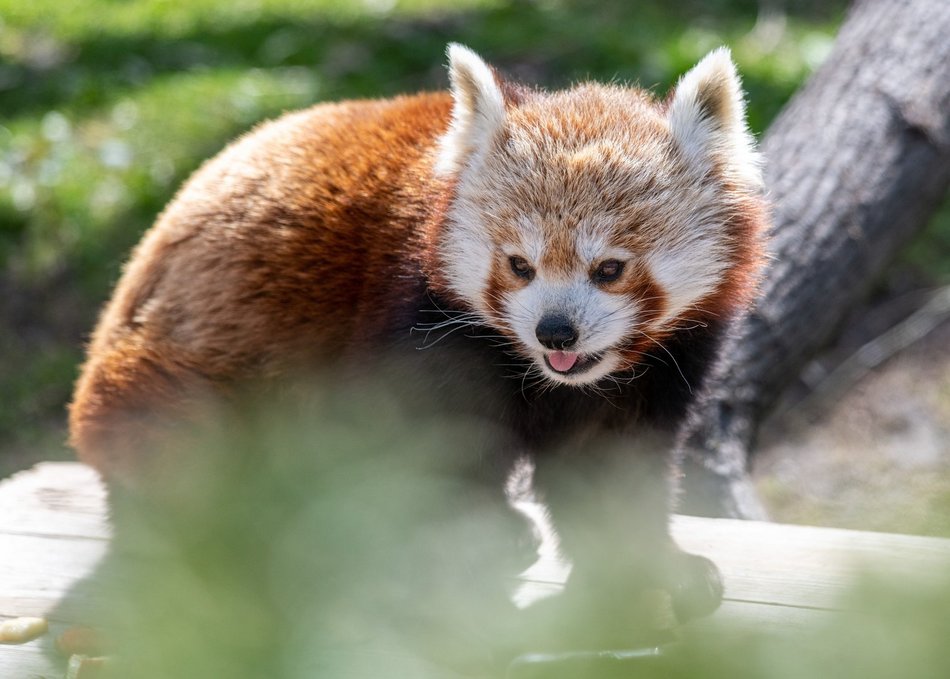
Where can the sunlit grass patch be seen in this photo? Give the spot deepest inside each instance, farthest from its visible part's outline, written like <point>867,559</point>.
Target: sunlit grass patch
<point>168,18</point>
<point>81,184</point>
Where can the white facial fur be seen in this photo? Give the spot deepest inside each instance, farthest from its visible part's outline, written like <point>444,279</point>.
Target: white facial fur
<point>607,171</point>
<point>602,321</point>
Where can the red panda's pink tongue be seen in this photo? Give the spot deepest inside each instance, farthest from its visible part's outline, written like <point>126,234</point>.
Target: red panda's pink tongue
<point>562,361</point>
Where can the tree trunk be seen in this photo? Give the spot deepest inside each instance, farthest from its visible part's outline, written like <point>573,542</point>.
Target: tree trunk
<point>857,163</point>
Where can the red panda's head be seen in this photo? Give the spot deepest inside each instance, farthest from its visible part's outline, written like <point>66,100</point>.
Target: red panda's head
<point>588,224</point>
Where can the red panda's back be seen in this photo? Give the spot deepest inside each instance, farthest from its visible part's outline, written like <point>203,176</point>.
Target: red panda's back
<point>291,243</point>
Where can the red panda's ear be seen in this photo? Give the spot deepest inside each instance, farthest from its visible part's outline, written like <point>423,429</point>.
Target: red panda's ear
<point>707,118</point>
<point>478,111</point>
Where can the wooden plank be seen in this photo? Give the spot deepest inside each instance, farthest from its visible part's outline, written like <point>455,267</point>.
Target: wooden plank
<point>54,530</point>
<point>35,660</point>
<point>782,565</point>
<point>750,617</point>
<point>54,498</point>
<point>37,571</point>
<point>804,566</point>
<point>764,563</point>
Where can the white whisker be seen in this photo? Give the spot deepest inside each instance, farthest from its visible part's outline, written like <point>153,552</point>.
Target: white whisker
<point>672,358</point>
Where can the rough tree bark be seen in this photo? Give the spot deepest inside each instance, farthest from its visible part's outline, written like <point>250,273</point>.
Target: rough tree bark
<point>856,164</point>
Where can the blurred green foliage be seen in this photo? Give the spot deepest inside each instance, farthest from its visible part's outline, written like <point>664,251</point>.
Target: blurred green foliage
<point>332,537</point>
<point>106,106</point>
<point>331,533</point>
<point>890,627</point>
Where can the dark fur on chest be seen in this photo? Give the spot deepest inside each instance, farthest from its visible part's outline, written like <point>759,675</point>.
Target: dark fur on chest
<point>463,371</point>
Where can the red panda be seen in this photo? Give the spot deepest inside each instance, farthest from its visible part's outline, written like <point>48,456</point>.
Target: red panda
<point>594,242</point>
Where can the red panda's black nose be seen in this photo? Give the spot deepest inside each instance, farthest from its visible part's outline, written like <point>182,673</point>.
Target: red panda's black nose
<point>556,332</point>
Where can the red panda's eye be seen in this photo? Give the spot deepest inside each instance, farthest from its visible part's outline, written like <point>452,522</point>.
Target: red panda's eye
<point>521,268</point>
<point>608,271</point>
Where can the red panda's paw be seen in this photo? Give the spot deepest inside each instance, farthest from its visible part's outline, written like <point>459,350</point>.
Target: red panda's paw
<point>695,586</point>
<point>595,621</point>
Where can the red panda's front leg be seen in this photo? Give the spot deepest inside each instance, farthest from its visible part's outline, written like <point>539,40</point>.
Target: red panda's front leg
<point>630,584</point>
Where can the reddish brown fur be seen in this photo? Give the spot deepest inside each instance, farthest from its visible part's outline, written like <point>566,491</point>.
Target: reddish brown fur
<point>288,246</point>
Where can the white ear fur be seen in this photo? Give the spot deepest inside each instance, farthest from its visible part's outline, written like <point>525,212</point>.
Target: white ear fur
<point>707,118</point>
<point>478,112</point>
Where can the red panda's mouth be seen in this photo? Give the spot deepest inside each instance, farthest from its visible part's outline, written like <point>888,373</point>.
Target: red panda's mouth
<point>571,363</point>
